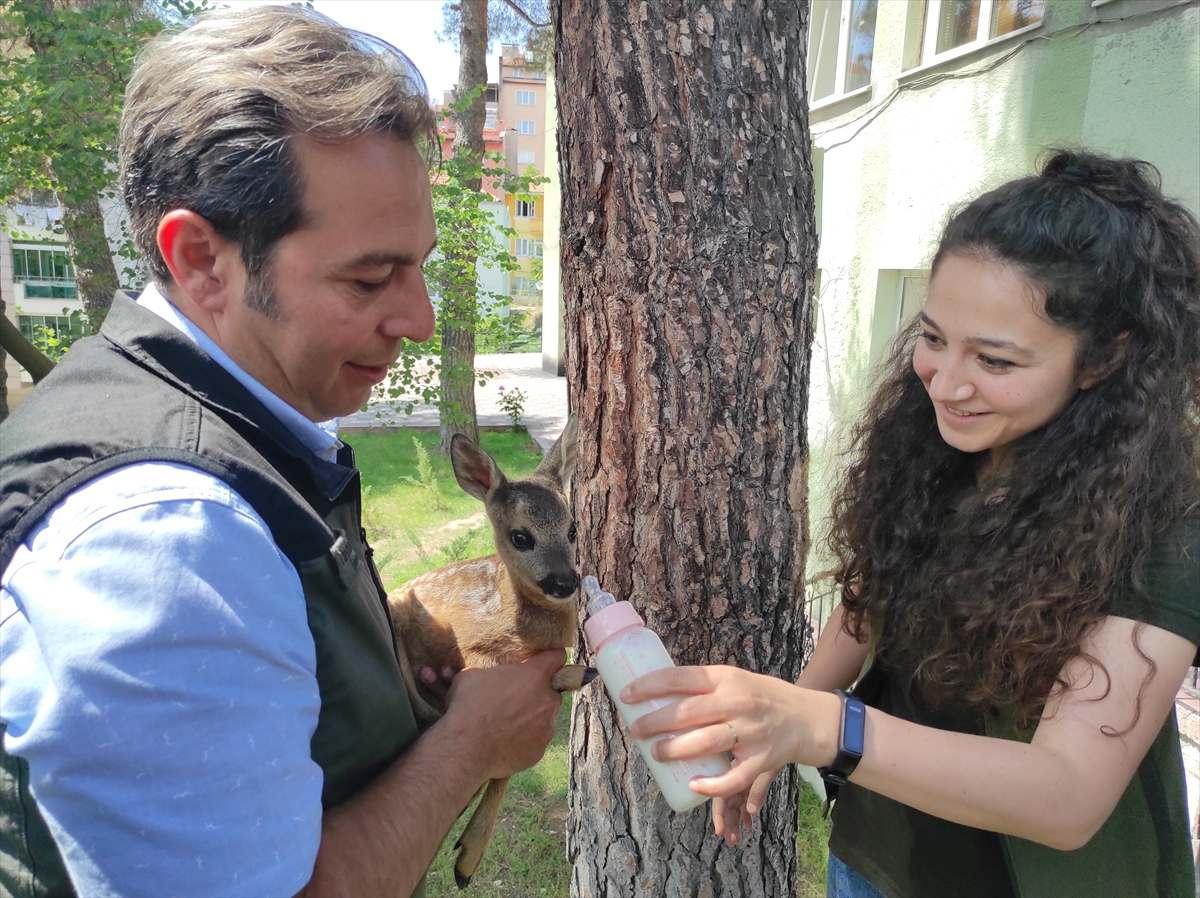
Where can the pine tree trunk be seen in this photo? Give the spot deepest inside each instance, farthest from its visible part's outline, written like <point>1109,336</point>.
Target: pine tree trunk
<point>459,304</point>
<point>688,254</point>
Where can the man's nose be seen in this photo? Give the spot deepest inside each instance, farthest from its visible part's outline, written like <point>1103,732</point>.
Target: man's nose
<point>412,314</point>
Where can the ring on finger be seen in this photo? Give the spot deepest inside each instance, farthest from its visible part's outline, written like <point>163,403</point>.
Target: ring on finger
<point>735,735</point>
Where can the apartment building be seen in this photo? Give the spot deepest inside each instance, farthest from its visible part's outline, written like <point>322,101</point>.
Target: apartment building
<point>521,100</point>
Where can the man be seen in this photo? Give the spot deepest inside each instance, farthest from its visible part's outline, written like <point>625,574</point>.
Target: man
<point>198,687</point>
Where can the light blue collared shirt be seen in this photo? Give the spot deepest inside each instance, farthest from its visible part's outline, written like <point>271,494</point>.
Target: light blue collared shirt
<point>158,674</point>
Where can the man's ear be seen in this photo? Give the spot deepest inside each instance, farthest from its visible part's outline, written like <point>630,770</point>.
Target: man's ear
<point>1116,359</point>
<point>203,263</point>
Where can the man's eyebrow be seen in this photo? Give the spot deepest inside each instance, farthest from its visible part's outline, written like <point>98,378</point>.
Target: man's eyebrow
<point>374,259</point>
<point>990,342</point>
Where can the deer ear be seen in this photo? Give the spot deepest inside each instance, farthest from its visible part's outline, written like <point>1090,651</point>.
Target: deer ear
<point>559,462</point>
<point>475,470</point>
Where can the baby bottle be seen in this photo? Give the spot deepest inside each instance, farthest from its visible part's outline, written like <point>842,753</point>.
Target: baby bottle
<point>624,650</point>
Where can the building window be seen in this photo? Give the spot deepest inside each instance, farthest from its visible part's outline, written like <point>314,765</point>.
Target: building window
<point>526,157</point>
<point>529,248</point>
<point>899,295</point>
<point>61,326</point>
<point>526,208</point>
<point>522,284</point>
<point>841,43</point>
<point>526,98</point>
<point>489,118</point>
<point>45,272</point>
<point>948,28</point>
<point>524,126</point>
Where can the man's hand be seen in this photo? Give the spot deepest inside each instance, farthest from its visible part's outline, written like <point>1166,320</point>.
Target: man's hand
<point>499,721</point>
<point>433,687</point>
<point>506,713</point>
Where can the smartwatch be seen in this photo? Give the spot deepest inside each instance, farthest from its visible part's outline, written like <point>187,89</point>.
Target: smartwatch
<point>850,740</point>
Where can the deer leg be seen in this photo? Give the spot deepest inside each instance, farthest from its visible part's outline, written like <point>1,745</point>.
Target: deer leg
<point>572,677</point>
<point>475,838</point>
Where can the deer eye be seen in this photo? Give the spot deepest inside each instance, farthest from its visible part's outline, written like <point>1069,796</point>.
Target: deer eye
<point>571,534</point>
<point>521,540</point>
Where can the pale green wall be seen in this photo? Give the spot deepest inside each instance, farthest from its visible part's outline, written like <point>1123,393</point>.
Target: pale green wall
<point>554,336</point>
<point>892,166</point>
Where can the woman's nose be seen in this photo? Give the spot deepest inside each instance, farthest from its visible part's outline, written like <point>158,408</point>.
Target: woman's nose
<point>950,383</point>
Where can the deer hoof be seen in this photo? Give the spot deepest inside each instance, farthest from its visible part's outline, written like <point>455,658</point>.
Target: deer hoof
<point>460,880</point>
<point>589,674</point>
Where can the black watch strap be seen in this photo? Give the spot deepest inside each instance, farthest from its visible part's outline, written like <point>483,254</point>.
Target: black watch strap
<point>850,740</point>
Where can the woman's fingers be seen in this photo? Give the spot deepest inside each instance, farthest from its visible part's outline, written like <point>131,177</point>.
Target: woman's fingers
<point>729,819</point>
<point>758,792</point>
<point>672,681</point>
<point>738,779</point>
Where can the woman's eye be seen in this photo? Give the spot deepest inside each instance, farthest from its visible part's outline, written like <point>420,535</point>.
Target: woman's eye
<point>994,364</point>
<point>931,339</point>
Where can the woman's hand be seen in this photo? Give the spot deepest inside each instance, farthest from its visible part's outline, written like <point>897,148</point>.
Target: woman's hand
<point>735,813</point>
<point>766,723</point>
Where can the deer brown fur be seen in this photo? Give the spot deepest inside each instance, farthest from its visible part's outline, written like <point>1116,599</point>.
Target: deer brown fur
<point>499,609</point>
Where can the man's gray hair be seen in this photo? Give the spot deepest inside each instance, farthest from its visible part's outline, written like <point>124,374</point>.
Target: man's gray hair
<point>211,110</point>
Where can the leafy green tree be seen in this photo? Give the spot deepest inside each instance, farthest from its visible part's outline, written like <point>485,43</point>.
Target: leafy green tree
<point>468,238</point>
<point>63,70</point>
<point>473,25</point>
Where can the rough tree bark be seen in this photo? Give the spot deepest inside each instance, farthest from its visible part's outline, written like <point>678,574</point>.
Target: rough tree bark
<point>458,311</point>
<point>687,265</point>
<point>95,273</point>
<point>28,356</point>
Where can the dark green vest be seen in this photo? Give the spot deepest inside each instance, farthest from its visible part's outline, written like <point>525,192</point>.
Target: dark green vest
<point>142,391</point>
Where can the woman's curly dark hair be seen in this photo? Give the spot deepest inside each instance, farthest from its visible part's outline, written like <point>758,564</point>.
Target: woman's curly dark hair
<point>985,601</point>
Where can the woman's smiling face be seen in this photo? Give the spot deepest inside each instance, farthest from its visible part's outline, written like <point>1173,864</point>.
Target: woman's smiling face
<point>995,367</point>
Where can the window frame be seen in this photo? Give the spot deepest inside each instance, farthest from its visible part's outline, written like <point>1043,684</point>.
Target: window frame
<point>41,278</point>
<point>57,324</point>
<point>531,160</point>
<point>529,205</point>
<point>518,126</point>
<point>529,95</point>
<point>839,92</point>
<point>928,55</point>
<point>528,248</point>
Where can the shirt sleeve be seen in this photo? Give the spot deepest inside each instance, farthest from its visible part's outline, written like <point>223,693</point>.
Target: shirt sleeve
<point>1173,585</point>
<point>158,675</point>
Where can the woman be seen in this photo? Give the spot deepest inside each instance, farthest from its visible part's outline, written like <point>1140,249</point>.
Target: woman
<point>1018,551</point>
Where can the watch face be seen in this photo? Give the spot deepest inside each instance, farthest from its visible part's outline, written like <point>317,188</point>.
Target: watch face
<point>854,728</point>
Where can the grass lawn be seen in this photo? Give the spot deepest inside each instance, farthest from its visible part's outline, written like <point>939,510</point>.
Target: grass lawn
<point>418,520</point>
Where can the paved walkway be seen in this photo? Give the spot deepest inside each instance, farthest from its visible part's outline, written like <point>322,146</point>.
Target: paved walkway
<point>545,402</point>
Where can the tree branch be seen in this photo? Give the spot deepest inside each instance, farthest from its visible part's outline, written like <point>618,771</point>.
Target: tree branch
<point>25,353</point>
<point>515,7</point>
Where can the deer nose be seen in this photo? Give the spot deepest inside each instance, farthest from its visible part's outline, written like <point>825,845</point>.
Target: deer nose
<point>560,585</point>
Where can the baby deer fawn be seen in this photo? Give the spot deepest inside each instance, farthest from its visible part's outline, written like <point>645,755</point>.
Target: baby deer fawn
<point>501,608</point>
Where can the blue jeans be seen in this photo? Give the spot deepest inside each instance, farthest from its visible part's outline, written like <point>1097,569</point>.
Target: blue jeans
<point>844,882</point>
